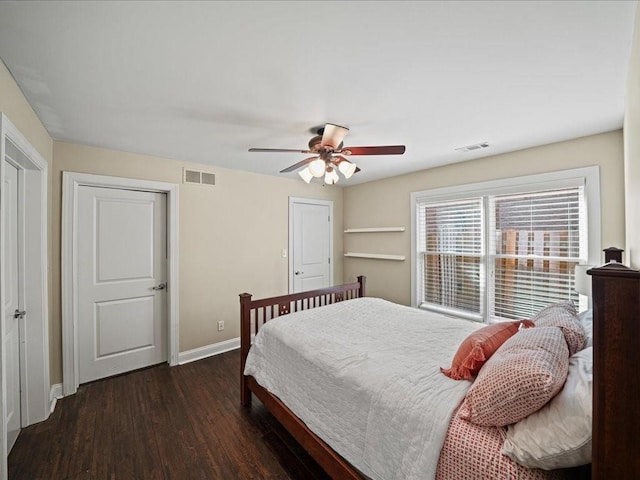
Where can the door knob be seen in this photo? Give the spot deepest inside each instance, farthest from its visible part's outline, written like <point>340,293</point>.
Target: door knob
<point>19,314</point>
<point>160,286</point>
<point>298,272</point>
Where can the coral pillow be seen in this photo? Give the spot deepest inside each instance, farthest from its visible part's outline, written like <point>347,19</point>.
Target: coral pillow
<point>523,375</point>
<point>564,316</point>
<point>479,346</point>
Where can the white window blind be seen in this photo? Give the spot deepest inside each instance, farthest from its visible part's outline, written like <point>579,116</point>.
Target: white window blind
<point>451,249</point>
<point>500,255</point>
<point>536,241</point>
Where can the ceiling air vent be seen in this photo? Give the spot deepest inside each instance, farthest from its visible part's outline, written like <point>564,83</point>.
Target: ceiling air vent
<point>196,176</point>
<point>471,148</point>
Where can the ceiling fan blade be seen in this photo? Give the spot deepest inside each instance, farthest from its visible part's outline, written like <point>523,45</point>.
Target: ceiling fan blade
<point>384,150</point>
<point>333,135</point>
<point>296,166</point>
<point>278,150</point>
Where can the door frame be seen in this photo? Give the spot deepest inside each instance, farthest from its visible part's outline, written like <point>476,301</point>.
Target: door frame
<point>33,179</point>
<point>71,182</point>
<point>309,201</point>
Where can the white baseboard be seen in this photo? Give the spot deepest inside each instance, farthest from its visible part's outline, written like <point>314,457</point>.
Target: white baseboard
<point>208,351</point>
<point>54,394</point>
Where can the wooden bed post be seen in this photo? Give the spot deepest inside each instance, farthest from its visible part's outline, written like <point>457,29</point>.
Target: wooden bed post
<point>245,344</point>
<point>362,280</point>
<point>616,388</point>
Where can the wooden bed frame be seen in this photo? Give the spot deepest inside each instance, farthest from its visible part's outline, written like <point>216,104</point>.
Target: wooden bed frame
<point>616,421</point>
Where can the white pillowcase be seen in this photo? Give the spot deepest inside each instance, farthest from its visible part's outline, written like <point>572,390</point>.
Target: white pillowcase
<point>586,319</point>
<point>559,434</point>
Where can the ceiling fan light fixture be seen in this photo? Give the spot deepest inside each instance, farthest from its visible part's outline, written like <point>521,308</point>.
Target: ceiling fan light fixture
<point>317,168</point>
<point>327,148</point>
<point>306,175</point>
<point>331,177</point>
<point>347,168</point>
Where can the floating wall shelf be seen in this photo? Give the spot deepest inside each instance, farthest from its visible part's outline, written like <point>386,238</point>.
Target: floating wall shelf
<point>377,256</point>
<point>374,230</point>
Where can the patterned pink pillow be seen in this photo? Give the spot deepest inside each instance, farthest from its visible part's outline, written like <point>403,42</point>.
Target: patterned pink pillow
<point>523,375</point>
<point>563,315</point>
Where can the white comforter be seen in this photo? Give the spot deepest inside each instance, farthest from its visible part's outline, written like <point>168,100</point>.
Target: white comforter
<point>364,375</point>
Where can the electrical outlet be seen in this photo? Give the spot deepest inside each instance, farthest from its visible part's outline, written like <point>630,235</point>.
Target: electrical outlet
<point>220,325</point>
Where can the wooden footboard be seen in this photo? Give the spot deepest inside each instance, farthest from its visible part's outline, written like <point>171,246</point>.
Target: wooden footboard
<point>255,313</point>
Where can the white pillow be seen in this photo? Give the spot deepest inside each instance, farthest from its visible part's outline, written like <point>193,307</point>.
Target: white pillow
<point>559,434</point>
<point>586,319</point>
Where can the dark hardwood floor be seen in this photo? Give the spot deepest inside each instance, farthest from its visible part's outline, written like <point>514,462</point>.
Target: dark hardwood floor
<point>180,423</point>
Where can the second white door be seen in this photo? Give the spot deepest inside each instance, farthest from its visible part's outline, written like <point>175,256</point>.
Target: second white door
<point>311,245</point>
<point>13,304</point>
<point>122,264</point>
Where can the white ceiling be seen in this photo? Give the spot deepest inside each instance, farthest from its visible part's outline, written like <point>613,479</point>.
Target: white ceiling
<point>205,81</point>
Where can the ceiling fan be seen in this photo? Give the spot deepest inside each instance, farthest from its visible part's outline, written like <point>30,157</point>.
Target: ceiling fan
<point>329,153</point>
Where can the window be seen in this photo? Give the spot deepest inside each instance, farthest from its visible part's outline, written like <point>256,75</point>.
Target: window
<point>451,237</point>
<point>504,250</point>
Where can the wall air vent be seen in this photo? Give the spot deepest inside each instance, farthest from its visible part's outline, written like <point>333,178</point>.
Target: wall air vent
<point>471,148</point>
<point>208,178</point>
<point>198,177</point>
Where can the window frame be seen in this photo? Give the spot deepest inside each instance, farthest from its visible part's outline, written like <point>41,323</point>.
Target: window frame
<point>589,177</point>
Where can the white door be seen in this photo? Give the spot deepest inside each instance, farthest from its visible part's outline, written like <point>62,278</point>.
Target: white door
<point>12,304</point>
<point>122,311</point>
<point>311,247</point>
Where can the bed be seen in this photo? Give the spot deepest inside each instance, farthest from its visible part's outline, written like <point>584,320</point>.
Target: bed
<point>466,450</point>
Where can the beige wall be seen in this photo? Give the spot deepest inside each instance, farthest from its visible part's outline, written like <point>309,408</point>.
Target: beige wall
<point>387,203</point>
<point>15,106</point>
<point>632,151</point>
<point>231,237</point>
